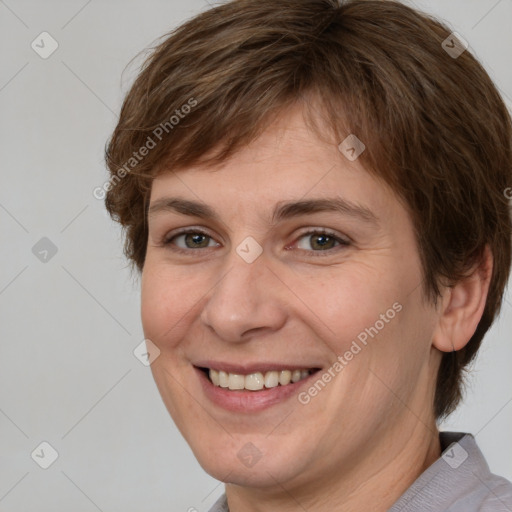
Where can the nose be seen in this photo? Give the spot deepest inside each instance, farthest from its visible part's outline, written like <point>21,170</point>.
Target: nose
<point>247,300</point>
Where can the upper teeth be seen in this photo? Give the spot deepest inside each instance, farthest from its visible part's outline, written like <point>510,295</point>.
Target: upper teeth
<point>256,381</point>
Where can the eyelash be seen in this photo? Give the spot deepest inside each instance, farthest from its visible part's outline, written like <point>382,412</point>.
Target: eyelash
<point>341,242</point>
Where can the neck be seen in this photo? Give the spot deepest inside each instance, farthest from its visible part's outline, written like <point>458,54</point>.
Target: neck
<point>375,484</point>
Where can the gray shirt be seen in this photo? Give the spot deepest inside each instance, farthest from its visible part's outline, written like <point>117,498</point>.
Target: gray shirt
<point>459,481</point>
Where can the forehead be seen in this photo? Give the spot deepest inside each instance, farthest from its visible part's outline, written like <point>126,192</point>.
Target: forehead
<point>287,162</point>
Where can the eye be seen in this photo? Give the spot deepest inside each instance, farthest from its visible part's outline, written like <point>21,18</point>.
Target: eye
<point>313,241</point>
<point>193,239</point>
<point>320,240</point>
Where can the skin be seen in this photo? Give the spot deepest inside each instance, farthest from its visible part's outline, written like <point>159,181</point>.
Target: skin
<point>361,441</point>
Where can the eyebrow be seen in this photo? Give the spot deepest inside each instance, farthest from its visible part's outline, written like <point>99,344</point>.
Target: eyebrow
<point>283,210</point>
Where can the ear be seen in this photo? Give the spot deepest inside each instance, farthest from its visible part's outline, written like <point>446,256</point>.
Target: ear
<point>462,307</point>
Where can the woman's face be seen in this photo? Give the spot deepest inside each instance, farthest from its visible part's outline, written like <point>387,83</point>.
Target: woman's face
<point>250,291</point>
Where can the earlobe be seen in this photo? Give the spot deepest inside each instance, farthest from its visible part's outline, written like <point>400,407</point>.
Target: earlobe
<point>462,307</point>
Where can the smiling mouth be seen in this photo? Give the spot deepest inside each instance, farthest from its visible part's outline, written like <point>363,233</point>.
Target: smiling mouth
<point>256,381</point>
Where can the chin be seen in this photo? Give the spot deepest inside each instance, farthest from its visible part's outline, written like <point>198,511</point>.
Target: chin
<point>246,466</point>
<point>258,476</point>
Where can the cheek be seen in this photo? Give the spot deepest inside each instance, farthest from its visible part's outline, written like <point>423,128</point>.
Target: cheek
<point>350,303</point>
<point>167,302</point>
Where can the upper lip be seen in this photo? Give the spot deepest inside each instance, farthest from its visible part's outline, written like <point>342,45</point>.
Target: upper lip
<point>248,368</point>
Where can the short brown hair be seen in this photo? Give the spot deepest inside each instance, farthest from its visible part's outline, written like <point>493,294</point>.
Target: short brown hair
<point>435,127</point>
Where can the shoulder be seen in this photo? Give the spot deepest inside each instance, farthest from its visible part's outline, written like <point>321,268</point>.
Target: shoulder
<point>459,481</point>
<point>496,495</point>
<point>479,489</point>
<point>488,492</point>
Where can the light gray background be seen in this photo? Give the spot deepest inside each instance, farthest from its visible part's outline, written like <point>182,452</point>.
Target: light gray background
<point>69,326</point>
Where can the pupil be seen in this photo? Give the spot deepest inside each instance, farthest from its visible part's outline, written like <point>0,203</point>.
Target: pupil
<point>196,239</point>
<point>322,240</point>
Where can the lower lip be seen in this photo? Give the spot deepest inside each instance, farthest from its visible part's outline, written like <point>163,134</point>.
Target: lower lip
<point>246,400</point>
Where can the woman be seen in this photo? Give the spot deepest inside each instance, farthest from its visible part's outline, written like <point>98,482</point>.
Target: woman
<point>315,196</point>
